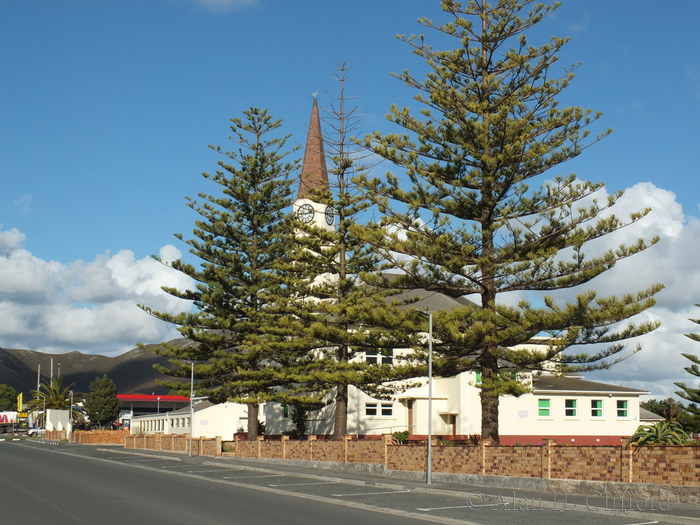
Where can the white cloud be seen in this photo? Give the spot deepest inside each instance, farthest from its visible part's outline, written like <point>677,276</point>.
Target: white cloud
<point>87,306</point>
<point>671,262</point>
<point>91,306</point>
<point>11,240</point>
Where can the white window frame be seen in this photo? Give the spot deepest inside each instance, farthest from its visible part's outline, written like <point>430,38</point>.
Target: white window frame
<point>375,409</point>
<point>375,357</point>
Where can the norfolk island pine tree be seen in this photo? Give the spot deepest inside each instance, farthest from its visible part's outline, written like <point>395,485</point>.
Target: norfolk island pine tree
<point>338,315</point>
<point>463,219</point>
<point>687,391</point>
<point>242,238</point>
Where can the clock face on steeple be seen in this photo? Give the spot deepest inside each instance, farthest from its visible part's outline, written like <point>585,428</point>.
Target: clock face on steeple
<point>330,215</point>
<point>305,213</point>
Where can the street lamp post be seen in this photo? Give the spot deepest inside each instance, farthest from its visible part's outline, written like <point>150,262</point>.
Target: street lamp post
<point>191,404</point>
<point>429,459</point>
<point>70,419</point>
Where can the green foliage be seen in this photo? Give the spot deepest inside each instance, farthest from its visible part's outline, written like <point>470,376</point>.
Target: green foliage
<point>674,411</point>
<point>662,433</point>
<point>401,436</point>
<point>101,404</point>
<point>465,219</point>
<point>242,240</point>
<point>332,311</point>
<point>52,395</point>
<point>8,398</point>
<point>299,414</point>
<point>689,392</point>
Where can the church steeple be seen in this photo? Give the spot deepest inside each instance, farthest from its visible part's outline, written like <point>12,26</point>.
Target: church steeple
<point>314,174</point>
<point>313,182</point>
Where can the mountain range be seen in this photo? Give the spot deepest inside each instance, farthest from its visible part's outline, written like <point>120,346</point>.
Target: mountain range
<point>132,372</point>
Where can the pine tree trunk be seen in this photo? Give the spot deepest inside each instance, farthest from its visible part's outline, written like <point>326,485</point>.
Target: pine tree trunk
<point>340,427</point>
<point>253,411</point>
<point>489,406</point>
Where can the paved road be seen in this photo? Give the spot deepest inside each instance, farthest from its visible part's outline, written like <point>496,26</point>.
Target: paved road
<point>60,484</point>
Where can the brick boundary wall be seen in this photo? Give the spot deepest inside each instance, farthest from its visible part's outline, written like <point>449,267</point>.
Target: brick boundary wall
<point>663,465</point>
<point>99,437</point>
<point>174,443</point>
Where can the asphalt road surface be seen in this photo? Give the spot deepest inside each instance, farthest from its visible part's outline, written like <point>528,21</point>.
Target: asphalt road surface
<point>48,483</point>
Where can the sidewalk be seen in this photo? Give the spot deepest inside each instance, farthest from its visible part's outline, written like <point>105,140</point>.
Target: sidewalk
<point>594,500</point>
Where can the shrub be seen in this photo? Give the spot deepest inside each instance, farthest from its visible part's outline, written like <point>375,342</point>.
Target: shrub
<point>401,436</point>
<point>662,433</point>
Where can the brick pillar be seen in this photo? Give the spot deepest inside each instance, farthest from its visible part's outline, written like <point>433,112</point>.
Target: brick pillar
<point>346,440</point>
<point>285,439</point>
<point>387,439</point>
<point>483,445</point>
<point>630,459</point>
<point>547,445</point>
<point>312,439</point>
<point>260,440</point>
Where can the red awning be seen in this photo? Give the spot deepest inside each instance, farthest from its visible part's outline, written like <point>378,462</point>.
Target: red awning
<point>153,398</point>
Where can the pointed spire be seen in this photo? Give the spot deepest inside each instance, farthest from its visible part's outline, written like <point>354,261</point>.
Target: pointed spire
<point>314,174</point>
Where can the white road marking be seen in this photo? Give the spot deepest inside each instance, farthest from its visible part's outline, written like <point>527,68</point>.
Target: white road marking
<point>371,493</point>
<point>307,483</point>
<point>255,477</point>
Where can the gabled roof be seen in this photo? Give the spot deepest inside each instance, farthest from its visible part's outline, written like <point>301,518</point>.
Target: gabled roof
<point>547,383</point>
<point>648,415</point>
<point>429,301</point>
<point>314,173</point>
<point>197,407</point>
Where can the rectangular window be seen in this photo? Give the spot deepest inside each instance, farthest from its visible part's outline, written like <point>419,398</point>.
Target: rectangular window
<point>285,411</point>
<point>543,407</point>
<point>383,357</point>
<point>596,408</point>
<point>383,409</point>
<point>478,378</point>
<point>622,409</point>
<point>570,407</point>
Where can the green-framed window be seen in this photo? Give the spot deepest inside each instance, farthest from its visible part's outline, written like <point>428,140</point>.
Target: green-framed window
<point>543,407</point>
<point>622,408</point>
<point>570,407</point>
<point>596,408</point>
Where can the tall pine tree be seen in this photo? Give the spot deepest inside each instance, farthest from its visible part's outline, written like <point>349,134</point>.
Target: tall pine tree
<point>242,239</point>
<point>340,317</point>
<point>688,392</point>
<point>102,405</point>
<point>464,219</point>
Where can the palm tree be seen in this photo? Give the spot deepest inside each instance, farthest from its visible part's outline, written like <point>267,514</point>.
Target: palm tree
<point>53,396</point>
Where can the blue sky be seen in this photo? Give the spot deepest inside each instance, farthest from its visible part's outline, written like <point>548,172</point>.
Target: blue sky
<point>107,109</point>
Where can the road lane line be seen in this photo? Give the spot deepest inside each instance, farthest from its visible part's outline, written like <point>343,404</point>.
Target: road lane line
<point>256,477</point>
<point>307,483</point>
<point>371,493</point>
<point>429,509</point>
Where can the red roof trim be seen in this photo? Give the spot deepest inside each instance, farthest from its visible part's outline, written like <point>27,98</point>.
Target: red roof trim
<point>143,397</point>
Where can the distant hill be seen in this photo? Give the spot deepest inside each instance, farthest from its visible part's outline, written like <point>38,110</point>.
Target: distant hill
<point>132,371</point>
